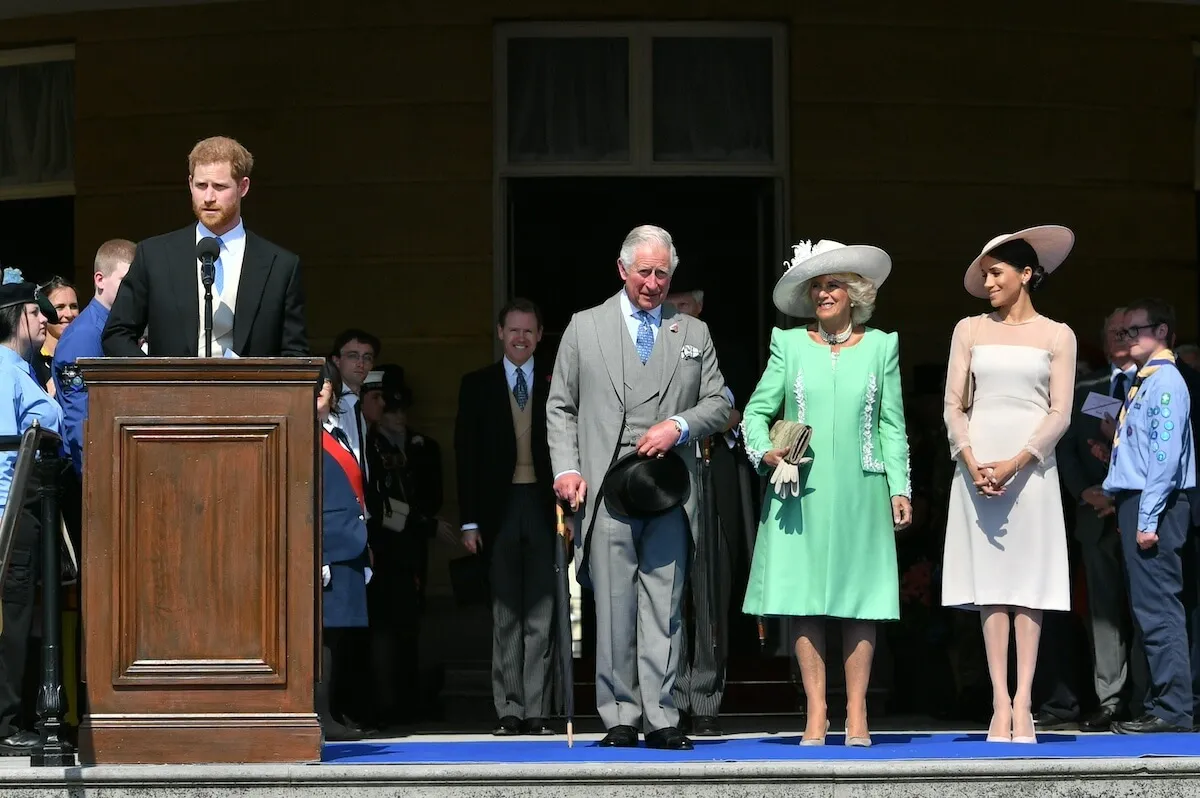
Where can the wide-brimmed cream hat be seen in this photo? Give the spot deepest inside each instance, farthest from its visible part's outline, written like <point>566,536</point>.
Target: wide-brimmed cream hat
<point>826,257</point>
<point>1051,242</point>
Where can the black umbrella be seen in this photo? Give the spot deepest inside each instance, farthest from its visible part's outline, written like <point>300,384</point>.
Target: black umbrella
<point>710,545</point>
<point>562,601</point>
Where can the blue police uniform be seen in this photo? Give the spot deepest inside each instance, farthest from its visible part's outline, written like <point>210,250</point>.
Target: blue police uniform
<point>80,339</point>
<point>1153,466</point>
<point>23,401</point>
<point>343,549</point>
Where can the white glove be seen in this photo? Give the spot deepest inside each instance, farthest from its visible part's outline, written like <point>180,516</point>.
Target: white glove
<point>368,573</point>
<point>786,480</point>
<point>326,576</point>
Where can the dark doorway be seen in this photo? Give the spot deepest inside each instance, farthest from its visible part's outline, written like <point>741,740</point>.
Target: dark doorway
<point>37,236</point>
<point>565,235</point>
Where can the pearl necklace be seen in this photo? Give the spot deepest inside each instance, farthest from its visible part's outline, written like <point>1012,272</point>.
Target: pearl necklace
<point>833,339</point>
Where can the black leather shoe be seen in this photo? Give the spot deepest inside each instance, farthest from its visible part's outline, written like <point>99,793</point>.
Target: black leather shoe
<point>339,732</point>
<point>19,743</point>
<point>620,737</point>
<point>1148,724</point>
<point>705,726</point>
<point>1048,721</point>
<point>536,726</point>
<point>1101,720</point>
<point>685,723</point>
<point>670,739</point>
<point>508,726</point>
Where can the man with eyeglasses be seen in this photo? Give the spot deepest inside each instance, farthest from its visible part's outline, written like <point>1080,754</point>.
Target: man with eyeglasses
<point>1153,465</point>
<point>354,353</point>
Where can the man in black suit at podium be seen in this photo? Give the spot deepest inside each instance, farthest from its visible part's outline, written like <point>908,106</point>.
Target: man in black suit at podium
<point>257,300</point>
<point>506,504</point>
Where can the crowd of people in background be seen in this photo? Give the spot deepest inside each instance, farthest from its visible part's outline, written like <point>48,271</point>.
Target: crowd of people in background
<point>1044,484</point>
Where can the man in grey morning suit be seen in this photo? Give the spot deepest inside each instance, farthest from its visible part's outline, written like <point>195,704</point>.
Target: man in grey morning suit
<point>635,359</point>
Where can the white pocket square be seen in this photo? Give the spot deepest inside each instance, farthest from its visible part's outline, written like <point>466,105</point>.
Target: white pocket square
<point>689,352</point>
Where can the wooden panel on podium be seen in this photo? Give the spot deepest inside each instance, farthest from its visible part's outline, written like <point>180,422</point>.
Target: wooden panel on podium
<point>200,560</point>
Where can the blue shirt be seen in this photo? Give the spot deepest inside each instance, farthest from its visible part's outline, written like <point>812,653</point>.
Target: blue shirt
<point>1156,454</point>
<point>632,322</point>
<point>80,339</point>
<point>22,401</point>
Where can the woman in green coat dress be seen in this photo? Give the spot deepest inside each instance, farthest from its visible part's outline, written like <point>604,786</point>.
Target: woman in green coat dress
<point>826,543</point>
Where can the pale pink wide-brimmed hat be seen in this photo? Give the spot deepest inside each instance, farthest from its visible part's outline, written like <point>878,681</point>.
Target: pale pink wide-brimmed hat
<point>1051,242</point>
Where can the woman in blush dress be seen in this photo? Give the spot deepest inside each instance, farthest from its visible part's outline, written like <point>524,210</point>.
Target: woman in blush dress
<point>1009,388</point>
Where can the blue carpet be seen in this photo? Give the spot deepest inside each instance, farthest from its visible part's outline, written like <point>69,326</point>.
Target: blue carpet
<point>780,747</point>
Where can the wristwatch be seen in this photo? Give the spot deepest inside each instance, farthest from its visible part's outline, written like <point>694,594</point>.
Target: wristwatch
<point>678,428</point>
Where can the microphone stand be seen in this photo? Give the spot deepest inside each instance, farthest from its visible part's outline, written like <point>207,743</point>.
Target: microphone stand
<point>207,274</point>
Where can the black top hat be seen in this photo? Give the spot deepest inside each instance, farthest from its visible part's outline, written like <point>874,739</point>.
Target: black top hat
<point>16,291</point>
<point>390,379</point>
<point>643,487</point>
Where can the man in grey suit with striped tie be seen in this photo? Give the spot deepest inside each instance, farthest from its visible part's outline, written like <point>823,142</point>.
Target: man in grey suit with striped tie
<point>506,503</point>
<point>633,375</point>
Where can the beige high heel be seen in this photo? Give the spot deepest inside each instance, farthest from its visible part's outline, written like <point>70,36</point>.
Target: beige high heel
<point>995,738</point>
<point>1023,739</point>
<point>816,740</point>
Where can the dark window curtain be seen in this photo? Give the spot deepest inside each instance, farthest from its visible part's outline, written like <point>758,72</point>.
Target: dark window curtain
<point>37,123</point>
<point>568,100</point>
<point>712,99</point>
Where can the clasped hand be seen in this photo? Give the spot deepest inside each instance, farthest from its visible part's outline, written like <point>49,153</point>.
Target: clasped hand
<point>990,479</point>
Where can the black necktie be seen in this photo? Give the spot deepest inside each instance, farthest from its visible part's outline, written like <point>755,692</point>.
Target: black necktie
<point>1120,386</point>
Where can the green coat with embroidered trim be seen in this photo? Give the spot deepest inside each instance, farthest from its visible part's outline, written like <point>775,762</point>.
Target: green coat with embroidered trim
<point>831,551</point>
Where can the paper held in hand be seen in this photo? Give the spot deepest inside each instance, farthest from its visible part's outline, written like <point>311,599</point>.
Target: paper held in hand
<point>1097,405</point>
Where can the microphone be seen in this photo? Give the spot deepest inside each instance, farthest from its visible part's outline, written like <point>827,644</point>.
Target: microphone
<point>208,250</point>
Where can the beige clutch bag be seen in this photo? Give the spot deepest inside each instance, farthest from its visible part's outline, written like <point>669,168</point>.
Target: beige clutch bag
<point>794,437</point>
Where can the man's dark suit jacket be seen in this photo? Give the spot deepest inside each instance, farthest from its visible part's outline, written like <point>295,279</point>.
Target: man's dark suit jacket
<point>485,447</point>
<point>162,288</point>
<point>1079,468</point>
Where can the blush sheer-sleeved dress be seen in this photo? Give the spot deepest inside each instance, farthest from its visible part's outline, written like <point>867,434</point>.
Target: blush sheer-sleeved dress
<point>1020,380</point>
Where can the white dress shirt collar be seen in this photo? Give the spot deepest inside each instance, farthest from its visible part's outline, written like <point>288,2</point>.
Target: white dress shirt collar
<point>510,372</point>
<point>629,310</point>
<point>237,234</point>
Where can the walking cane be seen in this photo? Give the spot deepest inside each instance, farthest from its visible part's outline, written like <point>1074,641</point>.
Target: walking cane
<point>562,595</point>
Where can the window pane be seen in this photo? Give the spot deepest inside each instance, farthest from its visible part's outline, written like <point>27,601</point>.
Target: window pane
<point>713,99</point>
<point>568,100</point>
<point>37,123</point>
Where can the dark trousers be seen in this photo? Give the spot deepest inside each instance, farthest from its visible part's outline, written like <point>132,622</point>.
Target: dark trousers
<point>387,658</point>
<point>1156,587</point>
<point>700,685</point>
<point>331,689</point>
<point>20,590</point>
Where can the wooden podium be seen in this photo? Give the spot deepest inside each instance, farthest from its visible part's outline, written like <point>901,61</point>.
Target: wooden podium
<point>200,560</point>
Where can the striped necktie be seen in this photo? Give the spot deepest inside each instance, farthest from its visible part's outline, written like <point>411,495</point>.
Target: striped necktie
<point>1164,358</point>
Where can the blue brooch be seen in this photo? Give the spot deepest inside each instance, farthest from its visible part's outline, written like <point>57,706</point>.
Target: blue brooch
<point>1162,456</point>
<point>1166,399</point>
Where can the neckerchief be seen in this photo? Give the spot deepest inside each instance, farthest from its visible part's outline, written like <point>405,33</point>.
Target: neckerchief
<point>1164,358</point>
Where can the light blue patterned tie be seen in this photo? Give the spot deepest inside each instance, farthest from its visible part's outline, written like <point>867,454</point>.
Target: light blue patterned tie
<point>645,336</point>
<point>521,389</point>
<point>219,271</point>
